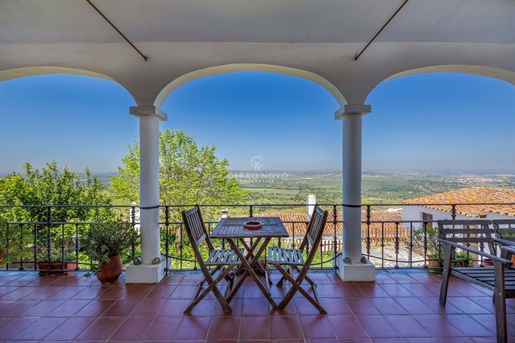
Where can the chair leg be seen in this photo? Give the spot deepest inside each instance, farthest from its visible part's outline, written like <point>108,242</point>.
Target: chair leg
<point>446,273</point>
<point>212,288</point>
<point>296,286</point>
<point>500,303</point>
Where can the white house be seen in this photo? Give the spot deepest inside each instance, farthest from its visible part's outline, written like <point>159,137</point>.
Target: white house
<point>465,203</point>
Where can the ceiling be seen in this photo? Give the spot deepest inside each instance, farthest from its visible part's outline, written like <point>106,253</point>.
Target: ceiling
<point>314,39</point>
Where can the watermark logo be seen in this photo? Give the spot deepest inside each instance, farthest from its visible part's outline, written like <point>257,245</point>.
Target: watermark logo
<point>259,177</point>
<point>256,162</point>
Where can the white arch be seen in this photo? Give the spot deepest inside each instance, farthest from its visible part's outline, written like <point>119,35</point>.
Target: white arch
<point>49,70</point>
<point>497,73</point>
<point>229,68</point>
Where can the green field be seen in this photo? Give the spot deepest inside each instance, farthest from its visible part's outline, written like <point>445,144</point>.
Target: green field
<point>378,188</point>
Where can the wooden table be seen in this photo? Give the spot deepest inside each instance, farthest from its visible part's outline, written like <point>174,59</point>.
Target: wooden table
<point>233,230</point>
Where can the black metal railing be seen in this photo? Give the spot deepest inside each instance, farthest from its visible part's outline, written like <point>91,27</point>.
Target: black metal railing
<point>387,240</point>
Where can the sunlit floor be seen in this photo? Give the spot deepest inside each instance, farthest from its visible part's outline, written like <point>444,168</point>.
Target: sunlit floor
<point>399,307</point>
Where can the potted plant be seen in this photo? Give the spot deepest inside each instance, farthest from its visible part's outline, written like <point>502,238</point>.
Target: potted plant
<point>57,262</point>
<point>106,243</point>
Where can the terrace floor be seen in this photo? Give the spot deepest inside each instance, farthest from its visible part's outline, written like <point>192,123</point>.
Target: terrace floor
<point>402,306</point>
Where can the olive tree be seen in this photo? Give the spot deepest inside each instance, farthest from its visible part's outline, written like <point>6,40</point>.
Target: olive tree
<point>188,175</point>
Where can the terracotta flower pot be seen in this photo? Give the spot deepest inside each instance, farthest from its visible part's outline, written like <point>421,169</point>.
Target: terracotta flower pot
<point>56,268</point>
<point>110,272</point>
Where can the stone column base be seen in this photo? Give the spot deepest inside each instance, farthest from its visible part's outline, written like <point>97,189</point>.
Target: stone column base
<point>144,273</point>
<point>356,271</point>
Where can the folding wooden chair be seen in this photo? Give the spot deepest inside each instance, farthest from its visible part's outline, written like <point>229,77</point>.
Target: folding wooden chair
<point>224,260</point>
<point>466,235</point>
<point>293,261</point>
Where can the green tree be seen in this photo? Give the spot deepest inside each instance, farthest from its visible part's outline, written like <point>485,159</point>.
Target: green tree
<point>51,194</point>
<point>54,187</point>
<point>187,174</point>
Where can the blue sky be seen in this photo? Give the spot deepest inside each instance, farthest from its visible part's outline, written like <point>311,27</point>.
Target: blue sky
<point>438,121</point>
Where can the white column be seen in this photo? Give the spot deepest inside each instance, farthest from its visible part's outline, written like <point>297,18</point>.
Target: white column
<point>351,267</point>
<point>151,269</point>
<point>149,188</point>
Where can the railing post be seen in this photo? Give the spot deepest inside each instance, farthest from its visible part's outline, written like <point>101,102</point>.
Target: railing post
<point>49,239</point>
<point>167,239</point>
<point>335,239</point>
<point>369,243</point>
<point>77,246</point>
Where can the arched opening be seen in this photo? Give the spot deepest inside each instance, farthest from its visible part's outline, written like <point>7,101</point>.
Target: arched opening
<point>440,121</point>
<point>287,120</point>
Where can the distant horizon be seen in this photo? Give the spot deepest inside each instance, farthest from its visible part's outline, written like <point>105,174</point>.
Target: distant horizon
<point>435,171</point>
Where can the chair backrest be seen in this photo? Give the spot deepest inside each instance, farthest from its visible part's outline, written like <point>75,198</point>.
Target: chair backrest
<point>505,229</point>
<point>196,229</point>
<point>468,232</point>
<point>315,232</point>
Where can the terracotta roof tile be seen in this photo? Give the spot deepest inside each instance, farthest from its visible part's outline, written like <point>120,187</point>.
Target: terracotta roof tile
<point>297,222</point>
<point>472,195</point>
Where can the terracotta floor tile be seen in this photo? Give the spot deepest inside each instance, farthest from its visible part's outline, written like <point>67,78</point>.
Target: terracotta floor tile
<point>420,290</point>
<point>347,326</point>
<point>112,292</point>
<point>68,308</point>
<point>372,290</point>
<point>65,292</point>
<point>42,308</point>
<point>224,328</point>
<point>101,329</point>
<point>255,307</point>
<point>90,292</point>
<point>438,325</point>
<point>377,326</point>
<point>349,290</point>
<point>316,327</point>
<point>162,328</point>
<point>132,329</point>
<point>15,308</point>
<point>434,304</point>
<point>255,327</point>
<point>40,329</point>
<point>335,306</point>
<point>21,293</point>
<point>95,308</point>
<point>70,329</point>
<point>396,290</point>
<point>326,291</point>
<point>122,308</point>
<point>362,306</point>
<point>138,291</point>
<point>14,326</point>
<point>285,327</point>
<point>414,305</point>
<point>161,292</point>
<point>173,307</point>
<point>399,307</point>
<point>183,292</point>
<point>148,308</point>
<point>466,305</point>
<point>388,306</point>
<point>407,326</point>
<point>469,326</point>
<point>6,290</point>
<point>193,328</point>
